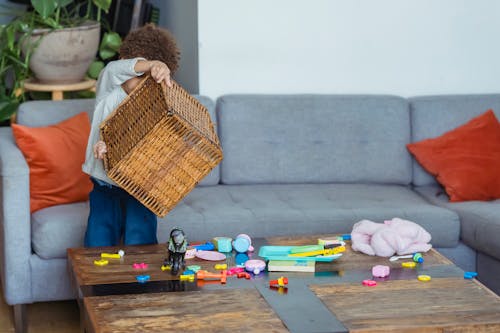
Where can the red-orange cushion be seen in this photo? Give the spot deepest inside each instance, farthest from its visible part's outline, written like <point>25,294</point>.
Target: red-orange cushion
<point>55,155</point>
<point>466,160</point>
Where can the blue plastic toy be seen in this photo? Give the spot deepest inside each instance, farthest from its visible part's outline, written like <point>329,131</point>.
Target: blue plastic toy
<point>142,278</point>
<point>470,275</point>
<point>205,247</point>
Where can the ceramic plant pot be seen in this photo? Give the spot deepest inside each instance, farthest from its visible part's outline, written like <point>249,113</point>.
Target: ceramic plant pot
<point>64,55</point>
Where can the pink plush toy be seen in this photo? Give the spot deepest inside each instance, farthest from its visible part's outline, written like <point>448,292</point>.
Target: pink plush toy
<point>393,236</point>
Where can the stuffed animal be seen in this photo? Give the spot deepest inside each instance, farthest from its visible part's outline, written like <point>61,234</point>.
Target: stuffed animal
<point>396,236</point>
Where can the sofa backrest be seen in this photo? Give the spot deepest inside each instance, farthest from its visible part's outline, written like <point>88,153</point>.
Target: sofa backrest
<point>314,139</point>
<point>44,113</point>
<point>431,116</point>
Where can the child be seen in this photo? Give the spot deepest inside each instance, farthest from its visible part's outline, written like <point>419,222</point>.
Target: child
<point>115,214</point>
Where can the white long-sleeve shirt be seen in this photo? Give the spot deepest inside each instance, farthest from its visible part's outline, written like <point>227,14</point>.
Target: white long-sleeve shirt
<point>109,94</point>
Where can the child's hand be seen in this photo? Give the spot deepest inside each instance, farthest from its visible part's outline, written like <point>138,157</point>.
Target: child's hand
<point>160,72</point>
<point>100,150</point>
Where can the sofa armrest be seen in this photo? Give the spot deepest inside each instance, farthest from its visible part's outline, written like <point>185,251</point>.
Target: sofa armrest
<point>15,226</point>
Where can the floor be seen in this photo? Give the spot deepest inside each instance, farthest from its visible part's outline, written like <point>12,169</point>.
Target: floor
<point>53,317</point>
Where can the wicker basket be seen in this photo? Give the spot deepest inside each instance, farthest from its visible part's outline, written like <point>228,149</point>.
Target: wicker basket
<point>161,143</point>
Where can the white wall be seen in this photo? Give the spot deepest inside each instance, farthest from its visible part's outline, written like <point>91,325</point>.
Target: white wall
<point>402,47</point>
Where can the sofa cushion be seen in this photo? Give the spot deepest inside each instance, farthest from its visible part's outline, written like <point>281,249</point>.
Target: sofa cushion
<point>265,210</point>
<point>314,139</point>
<point>480,221</point>
<point>431,116</point>
<point>55,155</point>
<point>262,210</point>
<point>465,160</point>
<point>213,177</point>
<point>56,228</point>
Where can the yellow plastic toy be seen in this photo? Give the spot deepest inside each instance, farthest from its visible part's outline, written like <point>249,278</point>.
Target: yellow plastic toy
<point>189,278</point>
<point>101,262</point>
<point>166,268</point>
<point>327,252</point>
<point>409,264</point>
<point>220,266</point>
<point>111,255</point>
<point>424,278</point>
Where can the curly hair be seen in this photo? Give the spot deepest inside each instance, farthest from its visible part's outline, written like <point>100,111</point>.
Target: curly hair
<point>152,43</point>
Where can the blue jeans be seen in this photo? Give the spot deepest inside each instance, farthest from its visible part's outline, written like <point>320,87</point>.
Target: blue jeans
<point>115,214</point>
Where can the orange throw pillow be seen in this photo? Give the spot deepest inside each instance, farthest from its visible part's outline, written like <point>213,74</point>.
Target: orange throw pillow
<point>55,155</point>
<point>466,160</point>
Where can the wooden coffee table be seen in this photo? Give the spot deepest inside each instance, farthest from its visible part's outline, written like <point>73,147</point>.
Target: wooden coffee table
<point>330,300</point>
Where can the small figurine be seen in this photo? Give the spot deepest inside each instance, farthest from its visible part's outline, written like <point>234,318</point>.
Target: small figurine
<point>177,246</point>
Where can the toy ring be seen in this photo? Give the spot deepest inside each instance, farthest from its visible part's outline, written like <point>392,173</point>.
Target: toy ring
<point>256,266</point>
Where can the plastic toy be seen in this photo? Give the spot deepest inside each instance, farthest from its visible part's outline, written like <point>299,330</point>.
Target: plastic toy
<point>280,290</point>
<point>204,275</point>
<point>210,255</point>
<point>205,247</point>
<point>470,275</point>
<point>140,265</point>
<point>331,241</point>
<point>346,237</point>
<point>166,268</point>
<point>189,277</point>
<point>240,259</point>
<point>142,278</point>
<point>256,266</point>
<point>394,258</point>
<point>306,248</point>
<point>243,275</point>
<point>121,253</point>
<point>220,266</point>
<point>235,270</point>
<point>194,268</point>
<point>101,262</point>
<point>177,245</point>
<point>323,252</point>
<point>280,282</point>
<point>111,255</point>
<point>243,243</point>
<point>369,283</point>
<point>408,264</point>
<point>275,252</point>
<point>380,271</point>
<point>223,244</point>
<point>424,278</point>
<point>190,253</point>
<point>417,257</point>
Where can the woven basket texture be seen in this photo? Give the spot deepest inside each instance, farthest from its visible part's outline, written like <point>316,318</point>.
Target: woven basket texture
<point>161,142</point>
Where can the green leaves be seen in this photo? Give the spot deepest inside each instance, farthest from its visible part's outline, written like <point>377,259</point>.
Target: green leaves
<point>8,106</point>
<point>63,3</point>
<point>110,44</point>
<point>102,4</point>
<point>45,8</point>
<point>95,68</point>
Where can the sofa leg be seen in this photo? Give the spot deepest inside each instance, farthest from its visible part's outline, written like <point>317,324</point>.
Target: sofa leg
<point>20,320</point>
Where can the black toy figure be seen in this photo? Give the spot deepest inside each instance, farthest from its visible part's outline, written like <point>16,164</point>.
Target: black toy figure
<point>177,245</point>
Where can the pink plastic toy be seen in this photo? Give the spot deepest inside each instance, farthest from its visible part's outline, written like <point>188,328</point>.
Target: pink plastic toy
<point>369,283</point>
<point>381,271</point>
<point>141,265</point>
<point>210,255</point>
<point>235,270</point>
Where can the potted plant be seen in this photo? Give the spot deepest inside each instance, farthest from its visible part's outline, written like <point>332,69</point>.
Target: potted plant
<point>55,41</point>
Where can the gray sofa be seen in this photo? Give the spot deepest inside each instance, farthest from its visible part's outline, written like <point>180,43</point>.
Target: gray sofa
<point>293,164</point>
